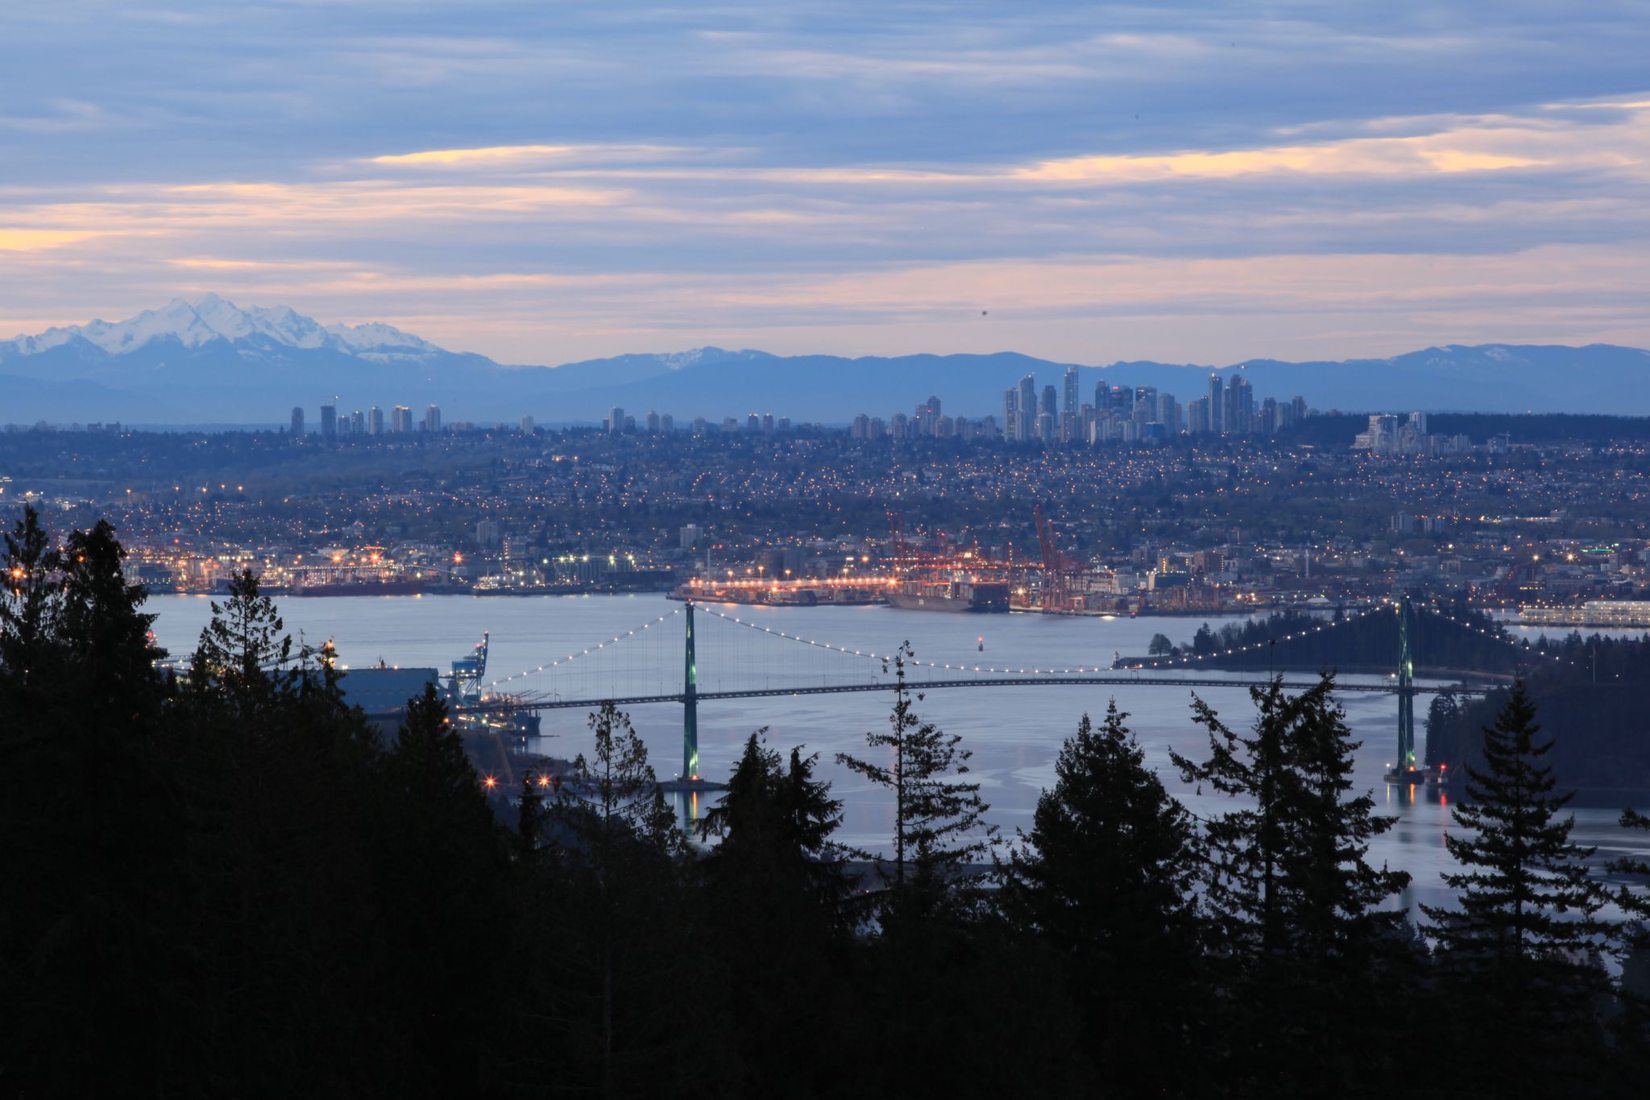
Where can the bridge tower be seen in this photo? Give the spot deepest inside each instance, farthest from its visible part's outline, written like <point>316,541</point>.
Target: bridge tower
<point>690,706</point>
<point>1405,761</point>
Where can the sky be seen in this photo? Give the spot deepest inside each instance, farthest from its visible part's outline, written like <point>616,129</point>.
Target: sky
<point>546,181</point>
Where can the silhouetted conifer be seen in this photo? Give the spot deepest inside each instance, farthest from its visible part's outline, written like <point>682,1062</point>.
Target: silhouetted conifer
<point>88,828</point>
<point>443,877</point>
<point>1106,878</point>
<point>244,651</point>
<point>938,819</point>
<point>1292,901</point>
<point>531,814</point>
<point>32,585</point>
<point>773,888</point>
<point>1520,950</point>
<point>621,916</point>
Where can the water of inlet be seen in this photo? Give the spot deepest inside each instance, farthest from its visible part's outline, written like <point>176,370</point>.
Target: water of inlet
<point>539,644</point>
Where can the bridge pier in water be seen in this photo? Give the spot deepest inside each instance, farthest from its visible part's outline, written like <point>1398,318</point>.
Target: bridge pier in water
<point>1404,769</point>
<point>1406,692</point>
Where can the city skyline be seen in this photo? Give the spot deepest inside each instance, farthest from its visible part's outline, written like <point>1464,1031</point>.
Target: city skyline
<point>1193,184</point>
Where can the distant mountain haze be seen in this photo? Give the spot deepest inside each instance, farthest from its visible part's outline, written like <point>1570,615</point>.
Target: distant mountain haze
<point>212,361</point>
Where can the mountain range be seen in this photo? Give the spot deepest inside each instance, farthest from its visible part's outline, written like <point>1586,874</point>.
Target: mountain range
<point>210,361</point>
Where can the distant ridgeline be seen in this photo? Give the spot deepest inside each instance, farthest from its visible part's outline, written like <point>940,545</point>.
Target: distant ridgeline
<point>1591,705</point>
<point>1359,641</point>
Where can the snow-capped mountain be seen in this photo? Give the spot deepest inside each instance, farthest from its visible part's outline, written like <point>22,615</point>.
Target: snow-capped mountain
<point>213,319</point>
<point>210,360</point>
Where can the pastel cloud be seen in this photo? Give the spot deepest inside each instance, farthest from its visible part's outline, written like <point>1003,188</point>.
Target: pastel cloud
<point>34,240</point>
<point>856,176</point>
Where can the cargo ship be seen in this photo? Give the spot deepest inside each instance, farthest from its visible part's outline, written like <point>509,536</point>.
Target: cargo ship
<point>361,586</point>
<point>976,597</point>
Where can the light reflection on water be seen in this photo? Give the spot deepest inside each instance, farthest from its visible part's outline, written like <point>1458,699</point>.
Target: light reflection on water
<point>1014,733</point>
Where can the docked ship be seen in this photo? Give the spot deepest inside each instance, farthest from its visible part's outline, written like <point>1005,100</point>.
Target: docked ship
<point>957,596</point>
<point>372,576</point>
<point>1618,614</point>
<point>364,586</point>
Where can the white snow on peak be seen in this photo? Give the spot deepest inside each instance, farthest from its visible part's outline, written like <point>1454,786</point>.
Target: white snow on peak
<point>679,360</point>
<point>211,318</point>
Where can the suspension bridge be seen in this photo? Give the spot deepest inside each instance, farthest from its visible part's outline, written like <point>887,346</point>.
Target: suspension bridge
<point>666,661</point>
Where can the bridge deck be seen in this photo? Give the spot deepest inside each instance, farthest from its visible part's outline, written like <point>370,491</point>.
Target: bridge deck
<point>935,685</point>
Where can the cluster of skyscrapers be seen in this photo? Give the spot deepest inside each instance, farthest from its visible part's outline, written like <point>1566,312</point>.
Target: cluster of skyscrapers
<point>370,422</point>
<point>663,423</point>
<point>1117,414</point>
<point>653,423</point>
<point>925,421</point>
<point>1388,436</point>
<point>1131,414</point>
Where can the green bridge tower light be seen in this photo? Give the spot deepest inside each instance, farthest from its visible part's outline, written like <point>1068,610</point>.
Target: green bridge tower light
<point>1406,693</point>
<point>690,706</point>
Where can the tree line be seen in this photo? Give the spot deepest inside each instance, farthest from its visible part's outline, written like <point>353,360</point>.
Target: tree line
<point>1590,693</point>
<point>226,882</point>
<point>1299,639</point>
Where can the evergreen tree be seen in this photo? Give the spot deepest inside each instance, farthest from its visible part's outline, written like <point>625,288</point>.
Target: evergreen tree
<point>1288,874</point>
<point>1632,1022</point>
<point>1292,901</point>
<point>775,823</point>
<point>107,636</point>
<point>88,830</point>
<point>286,809</point>
<point>245,649</point>
<point>773,888</point>
<point>1106,878</point>
<point>32,585</point>
<point>621,914</point>
<point>530,815</point>
<point>441,867</point>
<point>1520,950</point>
<point>612,796</point>
<point>938,821</point>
